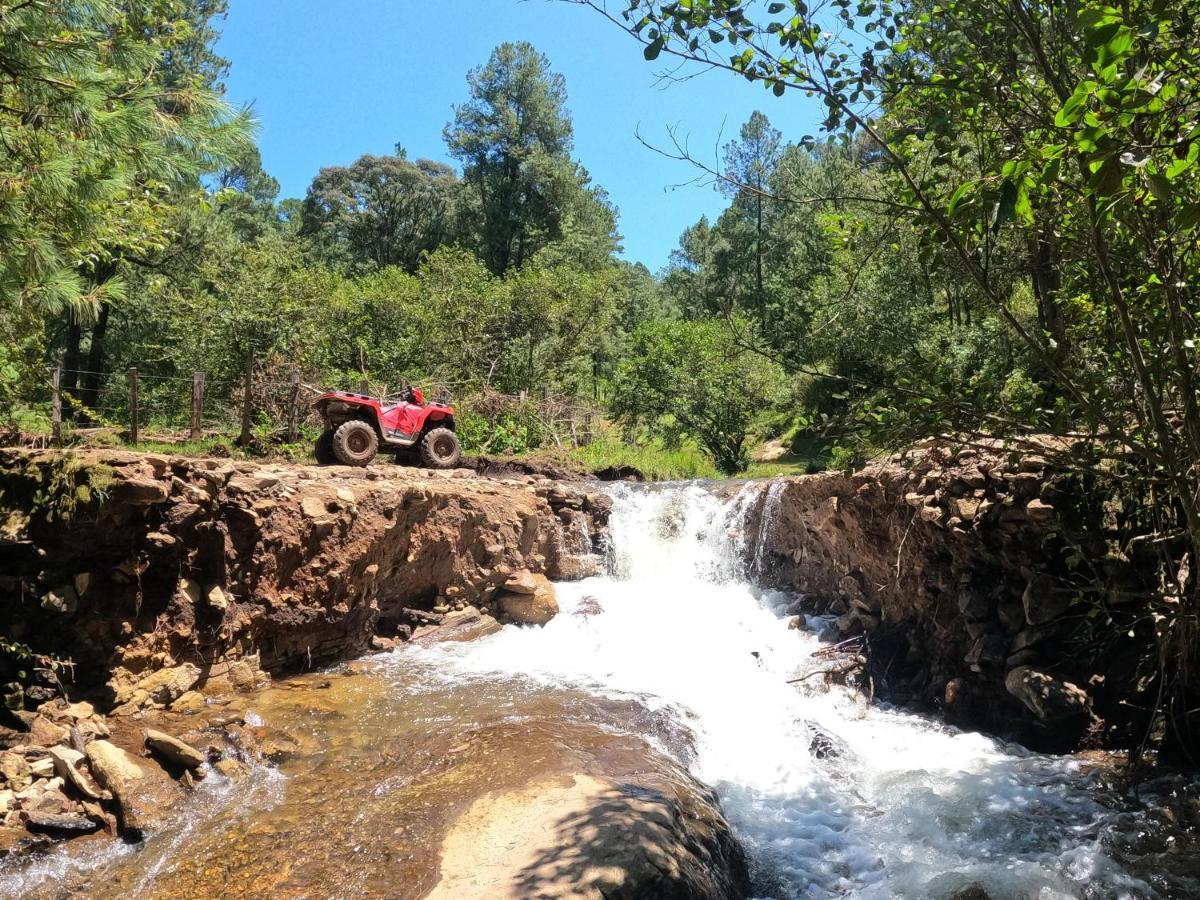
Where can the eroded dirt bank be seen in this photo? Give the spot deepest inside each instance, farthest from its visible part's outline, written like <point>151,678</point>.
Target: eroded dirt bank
<point>981,584</point>
<point>158,576</point>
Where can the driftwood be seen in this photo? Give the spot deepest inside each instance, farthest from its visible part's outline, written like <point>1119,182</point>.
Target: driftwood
<point>845,668</point>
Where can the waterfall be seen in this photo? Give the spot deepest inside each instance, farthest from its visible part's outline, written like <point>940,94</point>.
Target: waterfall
<point>832,797</point>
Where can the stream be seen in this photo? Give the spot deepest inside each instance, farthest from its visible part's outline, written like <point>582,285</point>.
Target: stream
<point>830,795</point>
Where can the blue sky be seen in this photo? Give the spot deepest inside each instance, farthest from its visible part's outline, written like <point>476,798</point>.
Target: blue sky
<point>330,81</point>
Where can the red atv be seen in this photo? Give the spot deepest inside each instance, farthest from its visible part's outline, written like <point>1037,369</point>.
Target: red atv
<point>357,426</point>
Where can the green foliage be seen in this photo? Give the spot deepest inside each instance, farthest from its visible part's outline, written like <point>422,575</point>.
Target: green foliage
<point>690,380</point>
<point>51,489</point>
<point>1032,170</point>
<point>656,460</point>
<point>380,211</point>
<point>512,431</point>
<point>95,145</point>
<point>524,192</point>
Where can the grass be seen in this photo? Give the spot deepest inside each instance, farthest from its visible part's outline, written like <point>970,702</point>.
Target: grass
<point>655,461</point>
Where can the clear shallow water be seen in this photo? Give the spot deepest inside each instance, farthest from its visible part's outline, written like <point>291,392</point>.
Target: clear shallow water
<point>674,649</point>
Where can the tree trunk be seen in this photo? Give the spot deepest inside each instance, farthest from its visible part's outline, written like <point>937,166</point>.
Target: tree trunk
<point>89,394</point>
<point>758,263</point>
<point>1046,281</point>
<point>72,358</point>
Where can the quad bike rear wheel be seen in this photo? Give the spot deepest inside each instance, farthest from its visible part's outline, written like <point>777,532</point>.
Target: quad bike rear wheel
<point>324,449</point>
<point>440,449</point>
<point>355,443</point>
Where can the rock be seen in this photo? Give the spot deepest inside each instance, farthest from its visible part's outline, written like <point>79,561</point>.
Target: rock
<point>1011,614</point>
<point>113,767</point>
<point>162,687</point>
<point>67,712</point>
<point>974,605</point>
<point>139,492</point>
<point>314,507</point>
<point>932,514</point>
<point>522,582</point>
<point>13,695</point>
<point>345,495</point>
<point>1031,637</point>
<point>537,608</point>
<point>66,763</point>
<point>851,590</point>
<point>966,508</point>
<point>988,650</point>
<point>973,891</point>
<point>189,592</point>
<point>44,733</point>
<point>117,771</point>
<point>1043,600</point>
<point>1032,463</point>
<point>971,478</point>
<point>626,840</point>
<point>32,796</point>
<point>589,606</point>
<point>62,600</point>
<point>217,599</point>
<point>467,624</point>
<point>1046,696</point>
<point>230,768</point>
<point>14,771</point>
<point>160,540</point>
<point>977,630</point>
<point>189,703</point>
<point>173,749</point>
<point>1025,657</point>
<point>576,567</point>
<point>41,768</point>
<point>48,823</point>
<point>1039,512</point>
<point>16,840</point>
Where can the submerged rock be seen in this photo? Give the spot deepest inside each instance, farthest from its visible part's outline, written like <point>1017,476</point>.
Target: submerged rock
<point>174,750</point>
<point>536,608</point>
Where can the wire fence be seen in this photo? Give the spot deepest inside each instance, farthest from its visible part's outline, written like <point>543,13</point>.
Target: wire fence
<point>273,405</point>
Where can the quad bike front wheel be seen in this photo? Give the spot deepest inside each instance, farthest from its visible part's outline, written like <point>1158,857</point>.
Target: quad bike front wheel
<point>355,443</point>
<point>440,449</point>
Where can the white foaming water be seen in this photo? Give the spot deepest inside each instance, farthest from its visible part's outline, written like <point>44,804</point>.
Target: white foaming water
<point>906,808</point>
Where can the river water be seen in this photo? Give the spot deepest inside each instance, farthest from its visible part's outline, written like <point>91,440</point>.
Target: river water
<point>676,649</point>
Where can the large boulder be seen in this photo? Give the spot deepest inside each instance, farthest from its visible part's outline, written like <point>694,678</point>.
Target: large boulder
<point>580,837</point>
<point>146,796</point>
<point>529,607</point>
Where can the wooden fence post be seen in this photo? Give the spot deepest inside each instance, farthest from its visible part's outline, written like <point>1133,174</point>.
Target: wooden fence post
<point>364,387</point>
<point>197,431</point>
<point>293,423</point>
<point>133,404</point>
<point>247,402</point>
<point>56,406</point>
